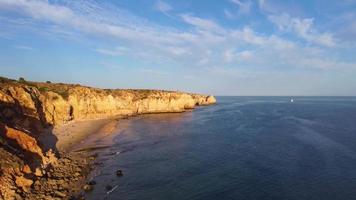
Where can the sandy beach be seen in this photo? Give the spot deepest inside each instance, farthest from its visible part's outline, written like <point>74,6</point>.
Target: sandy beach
<point>69,176</point>
<point>81,134</point>
<point>50,128</point>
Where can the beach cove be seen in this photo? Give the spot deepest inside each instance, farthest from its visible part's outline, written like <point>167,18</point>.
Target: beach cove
<point>42,124</point>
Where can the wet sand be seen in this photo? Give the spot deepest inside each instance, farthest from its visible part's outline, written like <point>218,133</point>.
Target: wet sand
<point>81,134</point>
<point>69,177</point>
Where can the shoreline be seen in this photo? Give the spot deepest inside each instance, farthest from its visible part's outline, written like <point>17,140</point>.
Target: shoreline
<point>92,134</point>
<point>71,176</point>
<point>77,134</point>
<point>42,124</point>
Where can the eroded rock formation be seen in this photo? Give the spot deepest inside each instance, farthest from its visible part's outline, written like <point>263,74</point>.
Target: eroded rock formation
<point>30,110</point>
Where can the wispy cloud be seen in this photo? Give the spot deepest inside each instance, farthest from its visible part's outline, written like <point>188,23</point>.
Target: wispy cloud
<point>153,72</point>
<point>162,6</point>
<point>229,14</point>
<point>232,55</point>
<point>244,6</point>
<point>204,43</point>
<point>200,23</point>
<point>23,47</point>
<point>303,28</point>
<point>118,51</point>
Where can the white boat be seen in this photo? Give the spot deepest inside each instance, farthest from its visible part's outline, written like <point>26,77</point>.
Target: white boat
<point>291,100</point>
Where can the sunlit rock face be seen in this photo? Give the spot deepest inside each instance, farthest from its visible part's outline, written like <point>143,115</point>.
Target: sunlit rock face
<point>53,104</point>
<point>30,110</point>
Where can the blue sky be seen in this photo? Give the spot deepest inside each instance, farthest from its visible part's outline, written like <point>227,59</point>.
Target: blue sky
<point>221,47</point>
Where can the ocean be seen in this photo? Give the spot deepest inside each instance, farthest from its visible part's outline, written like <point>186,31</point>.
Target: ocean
<point>265,148</point>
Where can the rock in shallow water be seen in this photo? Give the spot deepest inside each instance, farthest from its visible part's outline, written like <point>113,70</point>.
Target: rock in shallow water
<point>60,194</point>
<point>88,187</point>
<point>119,173</point>
<point>92,182</point>
<point>108,187</point>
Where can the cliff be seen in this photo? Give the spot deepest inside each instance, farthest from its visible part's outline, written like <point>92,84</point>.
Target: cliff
<point>55,104</point>
<point>30,110</point>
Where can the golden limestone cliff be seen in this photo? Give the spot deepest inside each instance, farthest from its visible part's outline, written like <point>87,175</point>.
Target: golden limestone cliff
<point>50,107</point>
<point>30,110</point>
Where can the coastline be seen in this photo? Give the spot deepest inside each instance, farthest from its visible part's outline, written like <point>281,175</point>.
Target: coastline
<point>77,142</point>
<point>67,177</point>
<point>87,136</point>
<point>78,134</point>
<point>43,125</point>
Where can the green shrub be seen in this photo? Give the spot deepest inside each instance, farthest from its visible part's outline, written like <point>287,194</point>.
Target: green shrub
<point>5,80</point>
<point>2,141</point>
<point>43,89</point>
<point>22,80</point>
<point>63,93</point>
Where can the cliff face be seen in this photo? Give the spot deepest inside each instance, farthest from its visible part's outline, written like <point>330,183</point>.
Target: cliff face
<point>28,109</point>
<point>20,102</point>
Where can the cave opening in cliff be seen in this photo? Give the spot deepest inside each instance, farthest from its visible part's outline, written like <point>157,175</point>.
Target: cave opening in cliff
<point>71,112</point>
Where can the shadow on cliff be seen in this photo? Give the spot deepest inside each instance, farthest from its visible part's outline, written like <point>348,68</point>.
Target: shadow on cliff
<point>23,119</point>
<point>13,147</point>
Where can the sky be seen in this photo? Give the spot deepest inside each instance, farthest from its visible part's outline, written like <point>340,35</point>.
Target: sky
<point>220,47</point>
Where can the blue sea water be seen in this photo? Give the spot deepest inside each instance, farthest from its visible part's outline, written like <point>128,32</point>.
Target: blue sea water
<point>265,148</point>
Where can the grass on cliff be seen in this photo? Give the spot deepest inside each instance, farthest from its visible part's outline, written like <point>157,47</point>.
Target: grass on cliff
<point>6,80</point>
<point>63,89</point>
<point>59,88</point>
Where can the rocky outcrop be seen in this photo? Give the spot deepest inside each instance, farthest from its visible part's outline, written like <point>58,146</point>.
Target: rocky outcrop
<point>23,141</point>
<point>30,110</point>
<point>22,104</point>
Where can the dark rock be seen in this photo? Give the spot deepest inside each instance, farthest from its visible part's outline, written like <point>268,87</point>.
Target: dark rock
<point>88,187</point>
<point>108,187</point>
<point>92,182</point>
<point>78,169</point>
<point>92,157</point>
<point>66,160</point>
<point>119,172</point>
<point>59,194</point>
<point>48,197</point>
<point>80,197</point>
<point>51,182</point>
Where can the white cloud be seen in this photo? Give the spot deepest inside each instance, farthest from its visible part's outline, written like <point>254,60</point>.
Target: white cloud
<point>39,9</point>
<point>230,55</point>
<point>229,14</point>
<point>153,72</point>
<point>120,27</point>
<point>245,55</point>
<point>179,51</point>
<point>303,28</point>
<point>345,28</point>
<point>206,44</point>
<point>23,47</point>
<point>162,6</point>
<point>200,23</point>
<point>118,51</point>
<point>244,5</point>
<point>261,4</point>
